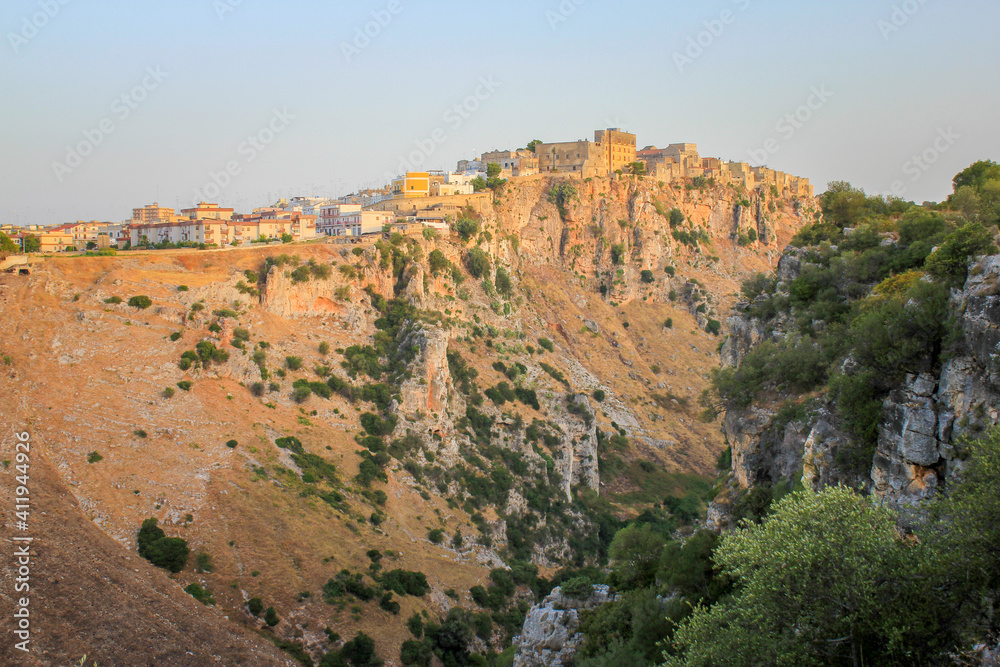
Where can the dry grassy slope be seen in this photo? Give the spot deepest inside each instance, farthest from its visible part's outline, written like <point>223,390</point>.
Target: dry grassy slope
<point>86,375</point>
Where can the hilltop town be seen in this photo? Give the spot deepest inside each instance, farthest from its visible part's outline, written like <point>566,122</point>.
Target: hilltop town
<point>421,199</point>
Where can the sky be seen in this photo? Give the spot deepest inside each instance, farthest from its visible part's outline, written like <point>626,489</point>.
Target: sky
<point>113,104</point>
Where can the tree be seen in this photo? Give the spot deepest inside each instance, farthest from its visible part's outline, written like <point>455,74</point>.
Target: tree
<point>676,217</point>
<point>32,243</point>
<point>503,282</point>
<point>141,302</point>
<point>963,538</point>
<point>635,555</point>
<point>477,262</point>
<point>438,262</point>
<point>950,262</point>
<point>170,553</point>
<point>561,194</point>
<point>466,228</point>
<point>271,617</point>
<point>637,168</point>
<point>6,244</point>
<point>826,579</point>
<point>976,175</point>
<point>533,145</point>
<point>493,170</point>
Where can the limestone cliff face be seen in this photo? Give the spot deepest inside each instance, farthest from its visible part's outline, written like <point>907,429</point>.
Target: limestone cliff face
<point>924,420</point>
<point>549,637</point>
<point>632,215</point>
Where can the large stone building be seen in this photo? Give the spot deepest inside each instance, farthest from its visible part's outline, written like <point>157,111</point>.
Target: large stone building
<point>610,151</point>
<point>681,161</point>
<point>512,163</point>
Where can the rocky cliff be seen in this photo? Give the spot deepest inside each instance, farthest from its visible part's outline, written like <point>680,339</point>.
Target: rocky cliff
<point>924,419</point>
<point>550,636</point>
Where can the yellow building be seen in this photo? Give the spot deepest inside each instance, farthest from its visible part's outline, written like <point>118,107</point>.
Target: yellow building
<point>412,185</point>
<point>154,213</point>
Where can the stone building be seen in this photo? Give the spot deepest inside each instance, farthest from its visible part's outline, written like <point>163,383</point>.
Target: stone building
<point>611,150</point>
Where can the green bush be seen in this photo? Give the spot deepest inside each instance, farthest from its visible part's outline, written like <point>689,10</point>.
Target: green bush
<point>170,553</point>
<point>200,594</point>
<point>293,363</point>
<point>436,536</point>
<point>94,457</point>
<point>140,302</point>
<point>271,617</point>
<point>113,300</point>
<point>599,395</point>
<point>185,385</point>
<point>477,262</point>
<point>255,605</point>
<point>547,344</point>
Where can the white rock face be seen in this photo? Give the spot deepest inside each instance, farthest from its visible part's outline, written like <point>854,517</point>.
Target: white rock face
<point>549,637</point>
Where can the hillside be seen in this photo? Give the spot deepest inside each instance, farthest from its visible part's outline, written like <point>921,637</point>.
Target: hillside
<point>526,414</point>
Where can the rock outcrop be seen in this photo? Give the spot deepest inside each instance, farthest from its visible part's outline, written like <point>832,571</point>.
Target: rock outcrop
<point>925,420</point>
<point>549,637</point>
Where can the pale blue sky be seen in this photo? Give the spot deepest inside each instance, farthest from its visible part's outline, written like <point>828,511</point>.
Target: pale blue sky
<point>558,75</point>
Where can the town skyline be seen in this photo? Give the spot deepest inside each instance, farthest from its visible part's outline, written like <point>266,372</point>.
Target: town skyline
<point>159,113</point>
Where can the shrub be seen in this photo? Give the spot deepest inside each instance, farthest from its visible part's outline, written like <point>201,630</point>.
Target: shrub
<point>168,392</point>
<point>175,336</point>
<point>647,276</point>
<point>713,327</point>
<point>467,228</point>
<point>438,262</point>
<point>170,553</point>
<point>232,444</point>
<point>200,594</point>
<point>113,300</point>
<point>182,288</point>
<point>255,605</point>
<point>618,251</point>
<point>676,217</point>
<point>477,262</point>
<point>185,385</point>
<point>324,348</point>
<point>599,395</point>
<point>436,536</point>
<point>293,363</point>
<point>140,302</point>
<point>547,344</point>
<point>669,323</point>
<point>578,588</point>
<point>94,457</point>
<point>271,617</point>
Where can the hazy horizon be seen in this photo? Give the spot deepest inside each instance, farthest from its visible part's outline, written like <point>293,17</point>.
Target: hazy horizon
<point>164,98</point>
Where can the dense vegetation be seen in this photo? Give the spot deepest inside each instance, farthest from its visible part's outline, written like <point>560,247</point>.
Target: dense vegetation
<point>870,304</point>
<point>828,579</point>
